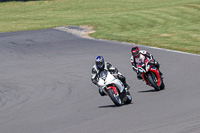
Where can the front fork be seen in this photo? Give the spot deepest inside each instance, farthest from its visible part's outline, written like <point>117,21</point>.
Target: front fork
<point>122,94</point>
<point>144,78</point>
<point>114,89</point>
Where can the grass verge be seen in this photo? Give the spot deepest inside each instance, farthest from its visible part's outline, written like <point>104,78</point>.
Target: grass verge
<point>170,24</point>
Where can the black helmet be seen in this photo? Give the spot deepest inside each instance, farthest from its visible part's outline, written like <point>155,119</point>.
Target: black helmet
<point>135,51</point>
<point>99,62</point>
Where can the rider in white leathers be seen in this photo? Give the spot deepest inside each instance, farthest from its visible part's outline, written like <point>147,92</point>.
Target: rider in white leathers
<point>99,66</point>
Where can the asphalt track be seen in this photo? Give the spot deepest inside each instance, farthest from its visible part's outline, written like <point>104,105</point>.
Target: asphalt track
<point>45,87</point>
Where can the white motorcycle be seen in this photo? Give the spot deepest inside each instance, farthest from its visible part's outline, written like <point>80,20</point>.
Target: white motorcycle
<point>114,88</point>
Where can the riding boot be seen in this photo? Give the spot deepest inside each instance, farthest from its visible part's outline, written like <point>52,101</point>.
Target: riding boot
<point>127,87</point>
<point>157,65</point>
<point>139,76</point>
<point>101,92</point>
<point>161,74</point>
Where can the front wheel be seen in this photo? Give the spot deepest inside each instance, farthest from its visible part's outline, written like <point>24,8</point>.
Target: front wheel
<point>114,97</point>
<point>153,81</point>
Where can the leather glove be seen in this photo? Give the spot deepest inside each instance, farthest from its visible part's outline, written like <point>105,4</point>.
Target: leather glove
<point>94,81</point>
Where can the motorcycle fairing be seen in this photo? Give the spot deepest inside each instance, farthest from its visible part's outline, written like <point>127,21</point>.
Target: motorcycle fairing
<point>106,78</point>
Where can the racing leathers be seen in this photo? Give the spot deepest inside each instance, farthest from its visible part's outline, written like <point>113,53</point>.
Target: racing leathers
<point>140,58</point>
<point>112,70</point>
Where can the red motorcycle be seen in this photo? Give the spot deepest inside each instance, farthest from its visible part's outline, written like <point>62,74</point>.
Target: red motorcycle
<point>151,75</point>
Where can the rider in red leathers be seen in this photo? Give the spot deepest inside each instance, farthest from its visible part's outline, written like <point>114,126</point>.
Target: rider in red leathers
<point>138,56</point>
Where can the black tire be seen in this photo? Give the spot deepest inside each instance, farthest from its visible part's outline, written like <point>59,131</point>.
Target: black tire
<point>152,82</point>
<point>128,98</point>
<point>162,86</point>
<point>116,99</point>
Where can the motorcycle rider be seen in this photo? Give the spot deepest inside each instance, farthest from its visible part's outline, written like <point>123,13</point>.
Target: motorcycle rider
<point>101,65</point>
<point>138,56</point>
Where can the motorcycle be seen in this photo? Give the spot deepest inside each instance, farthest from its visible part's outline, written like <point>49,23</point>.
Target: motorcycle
<point>151,75</point>
<point>114,88</point>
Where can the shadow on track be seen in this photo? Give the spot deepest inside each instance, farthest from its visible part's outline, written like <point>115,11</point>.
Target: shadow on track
<point>148,91</point>
<point>108,106</point>
<point>112,106</point>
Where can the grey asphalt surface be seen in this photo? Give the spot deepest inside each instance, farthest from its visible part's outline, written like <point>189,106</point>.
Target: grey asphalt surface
<point>45,87</point>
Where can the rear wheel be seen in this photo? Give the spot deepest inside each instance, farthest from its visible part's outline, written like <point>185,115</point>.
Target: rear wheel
<point>128,98</point>
<point>114,97</point>
<point>153,81</point>
<point>162,86</point>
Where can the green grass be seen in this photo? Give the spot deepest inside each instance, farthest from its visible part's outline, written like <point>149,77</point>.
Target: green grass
<point>170,24</point>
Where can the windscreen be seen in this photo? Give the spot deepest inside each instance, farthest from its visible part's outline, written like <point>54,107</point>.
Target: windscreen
<point>103,74</point>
